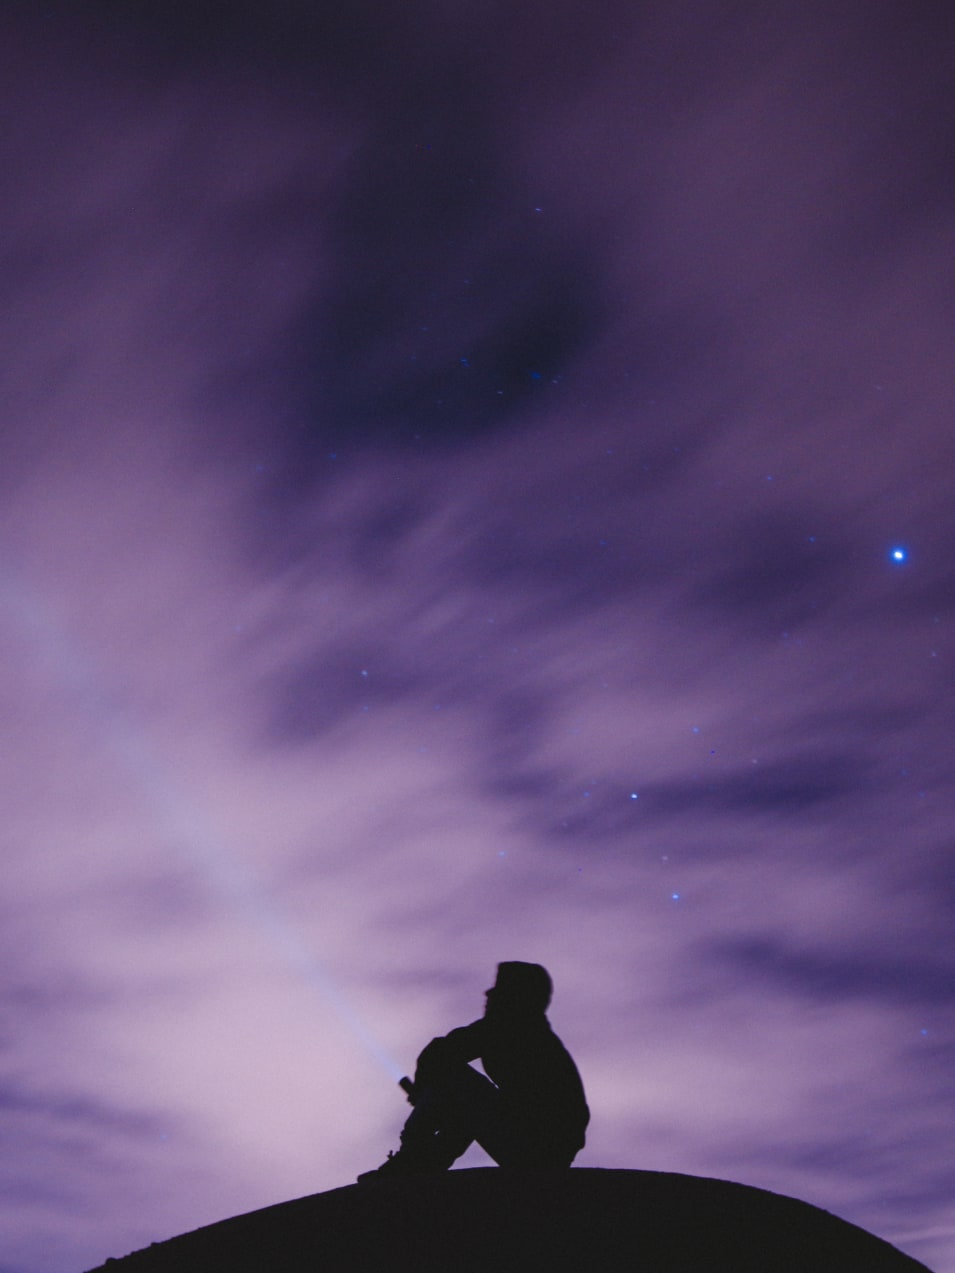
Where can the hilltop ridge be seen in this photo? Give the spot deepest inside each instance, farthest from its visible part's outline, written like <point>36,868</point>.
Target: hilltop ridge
<point>529,1222</point>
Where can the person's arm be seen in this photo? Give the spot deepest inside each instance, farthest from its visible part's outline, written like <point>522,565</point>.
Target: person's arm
<point>460,1046</point>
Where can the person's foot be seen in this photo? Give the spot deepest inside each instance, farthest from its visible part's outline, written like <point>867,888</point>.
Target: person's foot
<point>403,1163</point>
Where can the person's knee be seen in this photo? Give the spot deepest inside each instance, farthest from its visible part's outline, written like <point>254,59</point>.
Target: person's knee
<point>435,1061</point>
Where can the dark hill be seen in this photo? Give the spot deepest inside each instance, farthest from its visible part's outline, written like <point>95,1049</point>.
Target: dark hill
<point>497,1221</point>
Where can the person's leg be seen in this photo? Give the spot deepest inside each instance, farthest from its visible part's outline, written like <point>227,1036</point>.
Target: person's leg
<point>451,1108</point>
<point>467,1105</point>
<point>457,1105</point>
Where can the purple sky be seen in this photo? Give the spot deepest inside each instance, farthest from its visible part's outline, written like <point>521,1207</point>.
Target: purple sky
<point>452,462</point>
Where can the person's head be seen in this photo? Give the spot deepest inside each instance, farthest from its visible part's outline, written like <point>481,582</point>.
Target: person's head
<point>519,988</point>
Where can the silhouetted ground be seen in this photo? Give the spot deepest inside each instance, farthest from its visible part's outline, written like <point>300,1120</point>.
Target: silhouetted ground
<point>579,1221</point>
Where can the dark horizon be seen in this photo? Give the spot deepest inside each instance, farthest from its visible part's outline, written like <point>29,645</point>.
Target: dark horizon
<point>477,486</point>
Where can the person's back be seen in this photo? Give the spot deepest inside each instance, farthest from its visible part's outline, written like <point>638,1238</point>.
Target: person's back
<point>537,1078</point>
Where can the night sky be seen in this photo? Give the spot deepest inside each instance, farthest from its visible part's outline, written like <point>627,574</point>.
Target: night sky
<point>477,484</point>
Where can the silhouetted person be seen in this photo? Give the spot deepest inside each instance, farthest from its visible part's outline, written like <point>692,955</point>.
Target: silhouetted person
<point>529,1112</point>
